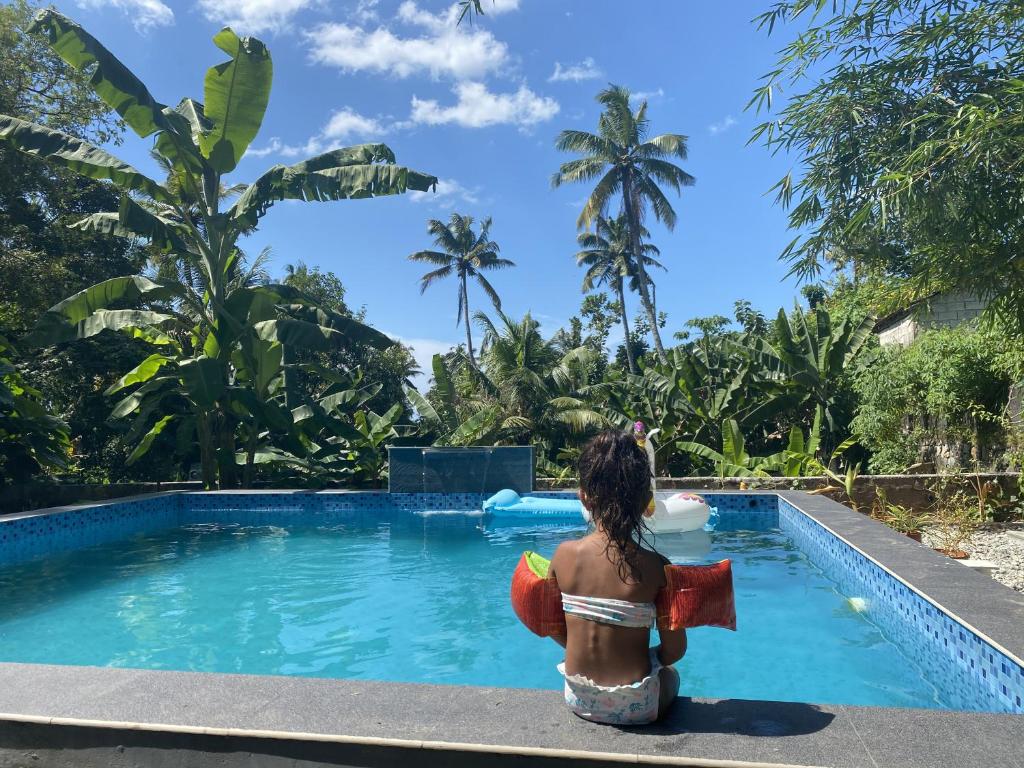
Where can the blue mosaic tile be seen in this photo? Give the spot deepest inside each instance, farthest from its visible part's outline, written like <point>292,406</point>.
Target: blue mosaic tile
<point>970,671</point>
<point>25,537</point>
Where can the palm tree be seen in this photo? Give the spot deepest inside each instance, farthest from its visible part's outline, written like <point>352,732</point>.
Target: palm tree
<point>608,255</point>
<point>629,164</point>
<point>466,254</point>
<point>538,392</point>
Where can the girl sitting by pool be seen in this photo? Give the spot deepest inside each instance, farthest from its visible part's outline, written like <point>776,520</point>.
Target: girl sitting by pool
<point>608,583</point>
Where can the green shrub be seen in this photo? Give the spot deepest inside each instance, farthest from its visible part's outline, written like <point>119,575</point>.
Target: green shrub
<point>947,386</point>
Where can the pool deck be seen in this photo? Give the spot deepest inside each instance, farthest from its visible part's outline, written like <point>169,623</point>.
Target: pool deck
<point>85,717</point>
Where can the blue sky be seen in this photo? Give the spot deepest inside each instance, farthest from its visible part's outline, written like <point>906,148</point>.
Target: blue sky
<point>479,107</point>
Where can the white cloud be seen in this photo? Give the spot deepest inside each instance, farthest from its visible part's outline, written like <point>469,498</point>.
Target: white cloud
<point>477,107</point>
<point>443,49</point>
<point>722,125</point>
<point>366,10</point>
<point>503,6</point>
<point>449,192</point>
<point>638,96</point>
<point>344,126</point>
<point>585,70</point>
<point>145,14</point>
<point>253,16</point>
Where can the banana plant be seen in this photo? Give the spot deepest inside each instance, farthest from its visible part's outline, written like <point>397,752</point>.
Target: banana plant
<point>360,456</point>
<point>218,339</point>
<point>449,421</point>
<point>31,438</point>
<point>732,460</point>
<point>814,355</point>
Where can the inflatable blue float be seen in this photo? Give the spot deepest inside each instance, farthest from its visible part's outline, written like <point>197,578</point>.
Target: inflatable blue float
<point>678,513</point>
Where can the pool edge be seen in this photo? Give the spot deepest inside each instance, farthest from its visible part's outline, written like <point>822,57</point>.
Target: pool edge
<point>397,719</point>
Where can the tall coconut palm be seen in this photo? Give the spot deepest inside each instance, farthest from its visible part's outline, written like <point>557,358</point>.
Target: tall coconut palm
<point>630,166</point>
<point>608,256</point>
<point>466,254</point>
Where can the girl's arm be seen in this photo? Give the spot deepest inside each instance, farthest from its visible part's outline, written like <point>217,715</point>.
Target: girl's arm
<point>563,638</point>
<point>672,647</point>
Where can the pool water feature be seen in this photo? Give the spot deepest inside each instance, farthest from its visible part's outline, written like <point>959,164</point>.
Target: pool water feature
<point>419,599</point>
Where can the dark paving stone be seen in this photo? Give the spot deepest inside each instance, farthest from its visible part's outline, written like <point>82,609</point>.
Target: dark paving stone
<point>924,739</point>
<point>796,734</point>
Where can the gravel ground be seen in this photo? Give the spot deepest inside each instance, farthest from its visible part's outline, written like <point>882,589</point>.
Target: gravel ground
<point>996,545</point>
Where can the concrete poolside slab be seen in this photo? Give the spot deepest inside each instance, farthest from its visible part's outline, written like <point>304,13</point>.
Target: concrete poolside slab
<point>277,715</point>
<point>920,739</point>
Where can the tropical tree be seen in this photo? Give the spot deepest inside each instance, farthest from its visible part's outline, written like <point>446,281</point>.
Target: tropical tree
<point>524,391</point>
<point>817,355</point>
<point>31,438</point>
<point>629,167</point>
<point>608,255</point>
<point>465,254</point>
<point>909,141</point>
<point>221,348</point>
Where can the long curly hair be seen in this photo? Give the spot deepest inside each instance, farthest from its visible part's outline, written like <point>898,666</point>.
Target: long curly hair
<point>615,478</point>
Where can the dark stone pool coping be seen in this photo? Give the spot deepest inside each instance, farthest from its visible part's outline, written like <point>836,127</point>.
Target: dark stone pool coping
<point>59,715</point>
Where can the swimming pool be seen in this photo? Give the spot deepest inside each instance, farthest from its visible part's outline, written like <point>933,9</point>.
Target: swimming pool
<point>367,586</point>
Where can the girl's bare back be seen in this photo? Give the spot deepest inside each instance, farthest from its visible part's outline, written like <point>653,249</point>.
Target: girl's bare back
<point>608,655</point>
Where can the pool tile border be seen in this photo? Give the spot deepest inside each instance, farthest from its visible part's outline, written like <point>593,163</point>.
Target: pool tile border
<point>969,664</point>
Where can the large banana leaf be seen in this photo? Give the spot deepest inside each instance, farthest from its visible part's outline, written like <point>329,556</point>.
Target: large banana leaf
<point>350,398</point>
<point>237,92</point>
<point>147,441</point>
<point>143,372</point>
<point>300,334</point>
<point>203,379</point>
<point>77,155</point>
<point>354,331</point>
<point>443,381</point>
<point>427,413</point>
<point>733,443</point>
<point>59,322</point>
<point>476,427</point>
<point>132,220</point>
<point>113,82</point>
<point>181,147</point>
<point>102,320</point>
<point>329,183</point>
<point>140,395</point>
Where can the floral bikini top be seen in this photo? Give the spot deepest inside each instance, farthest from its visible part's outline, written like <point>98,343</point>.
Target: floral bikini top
<point>605,610</point>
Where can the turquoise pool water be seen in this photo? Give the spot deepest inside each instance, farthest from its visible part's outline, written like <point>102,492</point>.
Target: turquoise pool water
<point>423,599</point>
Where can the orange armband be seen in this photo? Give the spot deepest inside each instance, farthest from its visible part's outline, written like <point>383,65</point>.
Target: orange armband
<point>693,596</point>
<point>536,599</point>
<point>697,596</point>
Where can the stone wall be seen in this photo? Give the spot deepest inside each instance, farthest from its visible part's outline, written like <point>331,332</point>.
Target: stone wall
<point>20,498</point>
<point>942,311</point>
<point>915,491</point>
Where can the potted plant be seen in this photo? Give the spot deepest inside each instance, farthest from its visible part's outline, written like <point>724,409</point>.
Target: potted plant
<point>905,520</point>
<point>953,523</point>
